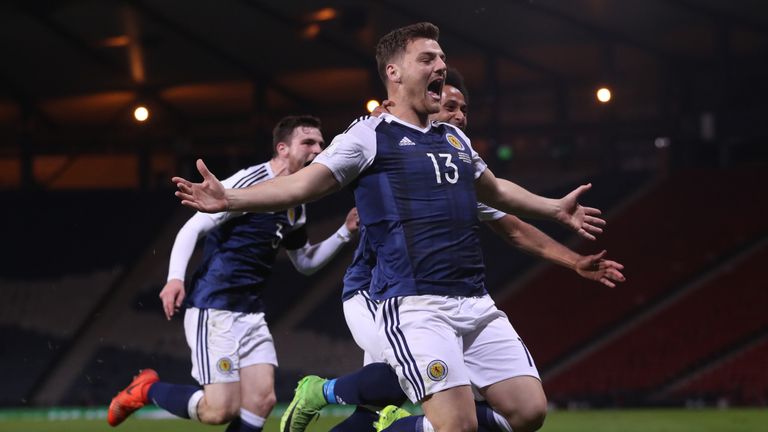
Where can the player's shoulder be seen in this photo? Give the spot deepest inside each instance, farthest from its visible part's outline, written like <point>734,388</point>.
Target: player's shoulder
<point>452,129</point>
<point>361,130</point>
<point>249,176</point>
<point>363,124</point>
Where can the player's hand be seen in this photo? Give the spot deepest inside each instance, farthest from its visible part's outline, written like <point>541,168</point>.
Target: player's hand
<point>383,108</point>
<point>208,196</point>
<point>172,295</point>
<point>596,268</point>
<point>583,220</point>
<point>353,221</point>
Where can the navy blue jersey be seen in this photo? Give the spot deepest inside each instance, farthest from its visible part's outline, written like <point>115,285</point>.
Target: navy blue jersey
<point>363,267</point>
<point>359,273</point>
<point>240,250</point>
<point>414,191</point>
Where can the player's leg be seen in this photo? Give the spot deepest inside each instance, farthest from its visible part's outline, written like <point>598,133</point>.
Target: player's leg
<point>451,410</point>
<point>375,385</point>
<point>361,420</point>
<point>219,404</point>
<point>257,360</point>
<point>178,399</point>
<point>487,420</point>
<point>422,342</point>
<point>447,410</point>
<point>257,400</point>
<point>215,403</point>
<point>521,400</point>
<point>503,369</point>
<point>213,340</point>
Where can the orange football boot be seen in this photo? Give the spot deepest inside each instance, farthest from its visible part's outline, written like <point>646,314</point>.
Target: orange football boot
<point>132,397</point>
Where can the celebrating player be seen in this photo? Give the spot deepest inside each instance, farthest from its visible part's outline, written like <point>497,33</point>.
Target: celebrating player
<point>376,385</point>
<point>233,356</point>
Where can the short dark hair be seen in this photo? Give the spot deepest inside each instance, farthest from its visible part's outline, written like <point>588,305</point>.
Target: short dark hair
<point>393,43</point>
<point>285,127</point>
<point>454,78</point>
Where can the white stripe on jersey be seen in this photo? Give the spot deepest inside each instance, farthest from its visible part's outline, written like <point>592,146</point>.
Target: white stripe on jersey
<point>249,176</point>
<point>252,178</point>
<point>488,213</point>
<point>355,121</point>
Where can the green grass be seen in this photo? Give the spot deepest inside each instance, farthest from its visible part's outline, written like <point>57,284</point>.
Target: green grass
<point>671,420</point>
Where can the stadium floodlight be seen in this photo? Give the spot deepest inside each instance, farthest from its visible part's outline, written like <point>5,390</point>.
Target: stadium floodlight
<point>371,105</point>
<point>141,113</point>
<point>603,94</point>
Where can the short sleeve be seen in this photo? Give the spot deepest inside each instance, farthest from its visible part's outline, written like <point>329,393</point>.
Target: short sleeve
<point>350,153</point>
<point>486,213</point>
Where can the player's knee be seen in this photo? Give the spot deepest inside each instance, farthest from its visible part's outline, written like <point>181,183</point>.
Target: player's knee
<point>468,425</point>
<point>218,415</point>
<point>261,403</point>
<point>530,418</point>
<point>218,412</point>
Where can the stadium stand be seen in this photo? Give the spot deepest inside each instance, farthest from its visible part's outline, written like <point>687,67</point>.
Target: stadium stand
<point>709,317</point>
<point>26,355</point>
<point>739,378</point>
<point>665,237</point>
<point>70,248</point>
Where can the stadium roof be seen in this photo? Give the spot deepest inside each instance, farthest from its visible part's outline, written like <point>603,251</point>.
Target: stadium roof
<point>214,72</point>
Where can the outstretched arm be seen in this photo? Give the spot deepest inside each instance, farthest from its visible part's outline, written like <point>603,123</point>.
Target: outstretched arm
<point>511,198</point>
<point>210,196</point>
<point>530,239</point>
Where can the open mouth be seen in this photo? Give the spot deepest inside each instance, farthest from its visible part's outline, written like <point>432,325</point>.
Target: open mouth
<point>435,88</point>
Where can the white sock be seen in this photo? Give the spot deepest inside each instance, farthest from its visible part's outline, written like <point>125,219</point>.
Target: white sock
<point>192,405</point>
<point>501,421</point>
<point>427,425</point>
<point>251,418</point>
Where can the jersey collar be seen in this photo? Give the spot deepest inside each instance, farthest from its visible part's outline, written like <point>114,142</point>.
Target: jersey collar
<point>389,118</point>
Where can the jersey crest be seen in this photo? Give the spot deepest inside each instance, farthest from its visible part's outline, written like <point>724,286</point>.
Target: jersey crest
<point>224,365</point>
<point>437,370</point>
<point>452,140</point>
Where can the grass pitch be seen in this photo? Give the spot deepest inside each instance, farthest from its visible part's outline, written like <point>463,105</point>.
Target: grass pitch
<point>655,420</point>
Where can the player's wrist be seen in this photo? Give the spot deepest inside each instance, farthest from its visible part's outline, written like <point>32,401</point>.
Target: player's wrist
<point>344,234</point>
<point>232,200</point>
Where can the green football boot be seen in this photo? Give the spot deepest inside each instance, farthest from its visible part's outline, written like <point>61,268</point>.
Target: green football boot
<point>389,415</point>
<point>308,400</point>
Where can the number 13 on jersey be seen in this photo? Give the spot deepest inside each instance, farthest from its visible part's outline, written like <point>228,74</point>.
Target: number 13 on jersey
<point>452,173</point>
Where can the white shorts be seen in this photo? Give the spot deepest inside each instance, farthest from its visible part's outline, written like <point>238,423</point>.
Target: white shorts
<point>435,343</point>
<point>360,313</point>
<point>223,342</point>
